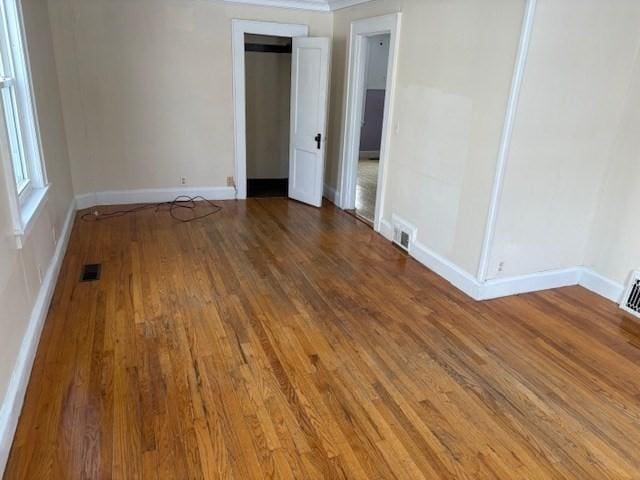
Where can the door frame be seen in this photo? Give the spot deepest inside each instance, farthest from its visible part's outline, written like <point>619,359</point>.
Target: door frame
<point>357,61</point>
<point>238,29</point>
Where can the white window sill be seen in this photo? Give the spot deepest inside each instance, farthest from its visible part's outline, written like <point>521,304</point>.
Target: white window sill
<point>30,210</point>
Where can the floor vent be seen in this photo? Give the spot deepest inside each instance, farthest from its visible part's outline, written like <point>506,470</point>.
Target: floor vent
<point>91,273</point>
<point>631,299</point>
<point>404,234</point>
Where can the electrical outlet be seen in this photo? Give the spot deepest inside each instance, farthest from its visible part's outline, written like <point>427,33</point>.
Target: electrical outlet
<point>501,267</point>
<point>183,180</point>
<point>231,182</point>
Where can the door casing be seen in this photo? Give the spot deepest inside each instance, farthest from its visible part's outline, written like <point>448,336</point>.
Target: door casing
<point>360,30</point>
<point>238,29</point>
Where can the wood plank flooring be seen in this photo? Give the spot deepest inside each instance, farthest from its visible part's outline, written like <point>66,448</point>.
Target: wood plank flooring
<point>275,340</point>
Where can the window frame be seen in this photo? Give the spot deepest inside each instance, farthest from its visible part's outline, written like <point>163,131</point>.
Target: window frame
<point>24,139</point>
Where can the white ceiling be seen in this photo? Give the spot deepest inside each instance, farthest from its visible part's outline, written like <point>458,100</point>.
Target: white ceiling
<point>317,5</point>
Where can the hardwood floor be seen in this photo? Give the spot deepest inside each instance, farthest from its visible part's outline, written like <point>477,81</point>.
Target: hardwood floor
<point>275,340</point>
<point>367,188</point>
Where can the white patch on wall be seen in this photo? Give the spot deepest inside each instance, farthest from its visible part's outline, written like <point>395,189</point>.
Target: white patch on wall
<point>404,233</point>
<point>631,299</point>
<point>438,138</point>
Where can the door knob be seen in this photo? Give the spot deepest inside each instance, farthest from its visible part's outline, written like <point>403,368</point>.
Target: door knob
<point>318,140</point>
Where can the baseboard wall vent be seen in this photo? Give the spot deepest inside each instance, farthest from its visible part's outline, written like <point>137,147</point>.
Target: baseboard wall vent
<point>631,299</point>
<point>404,234</point>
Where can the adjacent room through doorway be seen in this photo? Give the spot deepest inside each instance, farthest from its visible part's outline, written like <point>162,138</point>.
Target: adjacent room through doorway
<point>268,93</point>
<point>377,59</point>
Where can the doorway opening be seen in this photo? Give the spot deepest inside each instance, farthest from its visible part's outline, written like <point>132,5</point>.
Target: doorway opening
<point>373,51</point>
<point>374,93</point>
<point>267,94</point>
<point>309,97</point>
<point>239,29</point>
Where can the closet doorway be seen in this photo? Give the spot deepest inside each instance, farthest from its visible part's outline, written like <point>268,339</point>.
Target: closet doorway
<point>268,95</point>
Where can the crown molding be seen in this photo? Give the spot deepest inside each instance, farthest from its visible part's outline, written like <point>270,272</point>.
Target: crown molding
<point>338,4</point>
<point>313,5</point>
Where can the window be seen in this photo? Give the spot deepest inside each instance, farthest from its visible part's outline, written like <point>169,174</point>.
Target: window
<point>17,108</point>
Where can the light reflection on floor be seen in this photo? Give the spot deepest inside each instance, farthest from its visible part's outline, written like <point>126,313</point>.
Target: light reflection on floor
<point>367,188</point>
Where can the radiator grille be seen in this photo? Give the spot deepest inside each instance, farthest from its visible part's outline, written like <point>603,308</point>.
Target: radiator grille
<point>404,234</point>
<point>631,300</point>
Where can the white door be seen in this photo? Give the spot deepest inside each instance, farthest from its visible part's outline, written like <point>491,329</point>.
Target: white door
<point>309,95</point>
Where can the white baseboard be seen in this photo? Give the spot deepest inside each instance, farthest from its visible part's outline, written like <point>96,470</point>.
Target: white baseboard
<point>503,287</point>
<point>601,285</point>
<point>534,282</point>
<point>455,275</point>
<point>152,195</point>
<point>386,230</point>
<point>14,398</point>
<point>331,194</point>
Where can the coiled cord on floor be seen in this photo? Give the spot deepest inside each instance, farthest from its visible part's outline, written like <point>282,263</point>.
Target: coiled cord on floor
<point>182,203</point>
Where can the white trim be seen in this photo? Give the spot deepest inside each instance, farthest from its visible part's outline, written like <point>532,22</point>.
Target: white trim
<point>535,282</point>
<point>151,195</point>
<point>331,194</point>
<point>25,205</point>
<point>350,147</point>
<point>507,134</point>
<point>29,213</point>
<point>455,275</point>
<point>24,93</point>
<point>339,4</point>
<point>14,398</point>
<point>42,178</point>
<point>601,285</point>
<point>386,230</point>
<point>435,262</point>
<point>238,29</point>
<point>504,287</point>
<point>296,4</point>
<point>317,6</point>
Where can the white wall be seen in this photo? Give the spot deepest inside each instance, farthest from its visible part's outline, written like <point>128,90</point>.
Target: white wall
<point>147,88</point>
<point>575,87</point>
<point>454,73</point>
<point>21,270</point>
<point>615,236</point>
